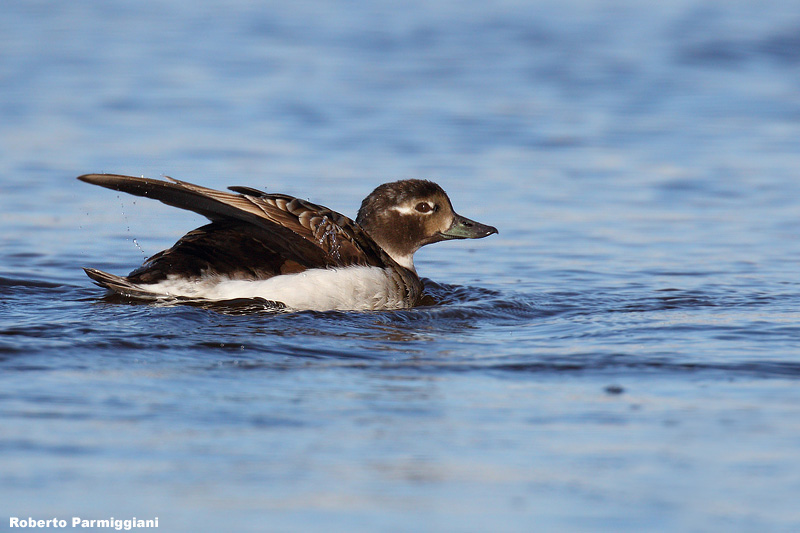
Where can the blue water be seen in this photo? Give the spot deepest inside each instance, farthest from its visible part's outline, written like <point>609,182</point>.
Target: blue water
<point>623,356</point>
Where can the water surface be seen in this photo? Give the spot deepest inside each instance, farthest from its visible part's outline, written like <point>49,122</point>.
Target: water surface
<point>624,355</point>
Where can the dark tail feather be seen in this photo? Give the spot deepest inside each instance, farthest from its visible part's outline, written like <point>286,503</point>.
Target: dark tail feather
<point>117,284</point>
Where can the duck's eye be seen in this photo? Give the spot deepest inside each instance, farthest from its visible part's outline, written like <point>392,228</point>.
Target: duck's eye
<point>424,207</point>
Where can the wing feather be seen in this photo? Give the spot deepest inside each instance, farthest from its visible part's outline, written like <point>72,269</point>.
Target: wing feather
<point>310,234</point>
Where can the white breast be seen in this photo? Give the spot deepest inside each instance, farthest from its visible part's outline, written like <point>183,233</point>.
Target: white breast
<point>355,288</point>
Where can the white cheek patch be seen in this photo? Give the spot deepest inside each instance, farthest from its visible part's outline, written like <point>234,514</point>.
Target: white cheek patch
<point>408,210</point>
<point>405,210</point>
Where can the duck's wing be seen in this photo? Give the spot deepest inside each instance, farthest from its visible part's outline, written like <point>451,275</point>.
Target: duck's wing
<point>231,248</point>
<point>310,235</point>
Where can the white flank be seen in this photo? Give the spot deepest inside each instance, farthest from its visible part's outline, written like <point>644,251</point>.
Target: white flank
<point>355,288</point>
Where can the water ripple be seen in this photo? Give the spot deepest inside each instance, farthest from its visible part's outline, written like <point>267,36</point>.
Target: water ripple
<point>711,328</point>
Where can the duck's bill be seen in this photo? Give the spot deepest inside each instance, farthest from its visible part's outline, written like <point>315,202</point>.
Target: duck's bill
<point>464,228</point>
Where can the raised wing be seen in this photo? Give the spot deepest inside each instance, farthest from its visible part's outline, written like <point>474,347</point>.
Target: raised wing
<point>310,235</point>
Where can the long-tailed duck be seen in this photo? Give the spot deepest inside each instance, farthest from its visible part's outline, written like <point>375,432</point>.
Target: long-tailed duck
<point>290,251</point>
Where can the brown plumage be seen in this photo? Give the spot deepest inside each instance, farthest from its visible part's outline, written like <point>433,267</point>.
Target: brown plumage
<point>257,236</point>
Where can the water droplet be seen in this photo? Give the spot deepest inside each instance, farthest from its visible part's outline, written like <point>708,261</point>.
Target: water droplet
<point>136,243</point>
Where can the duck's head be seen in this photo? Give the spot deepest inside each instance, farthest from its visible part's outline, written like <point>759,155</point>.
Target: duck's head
<point>404,215</point>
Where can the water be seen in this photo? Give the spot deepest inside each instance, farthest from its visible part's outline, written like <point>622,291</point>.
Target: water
<point>624,355</point>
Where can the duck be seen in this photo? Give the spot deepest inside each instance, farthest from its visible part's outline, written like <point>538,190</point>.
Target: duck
<point>288,251</point>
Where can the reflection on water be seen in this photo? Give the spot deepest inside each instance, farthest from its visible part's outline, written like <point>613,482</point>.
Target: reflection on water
<point>623,355</point>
